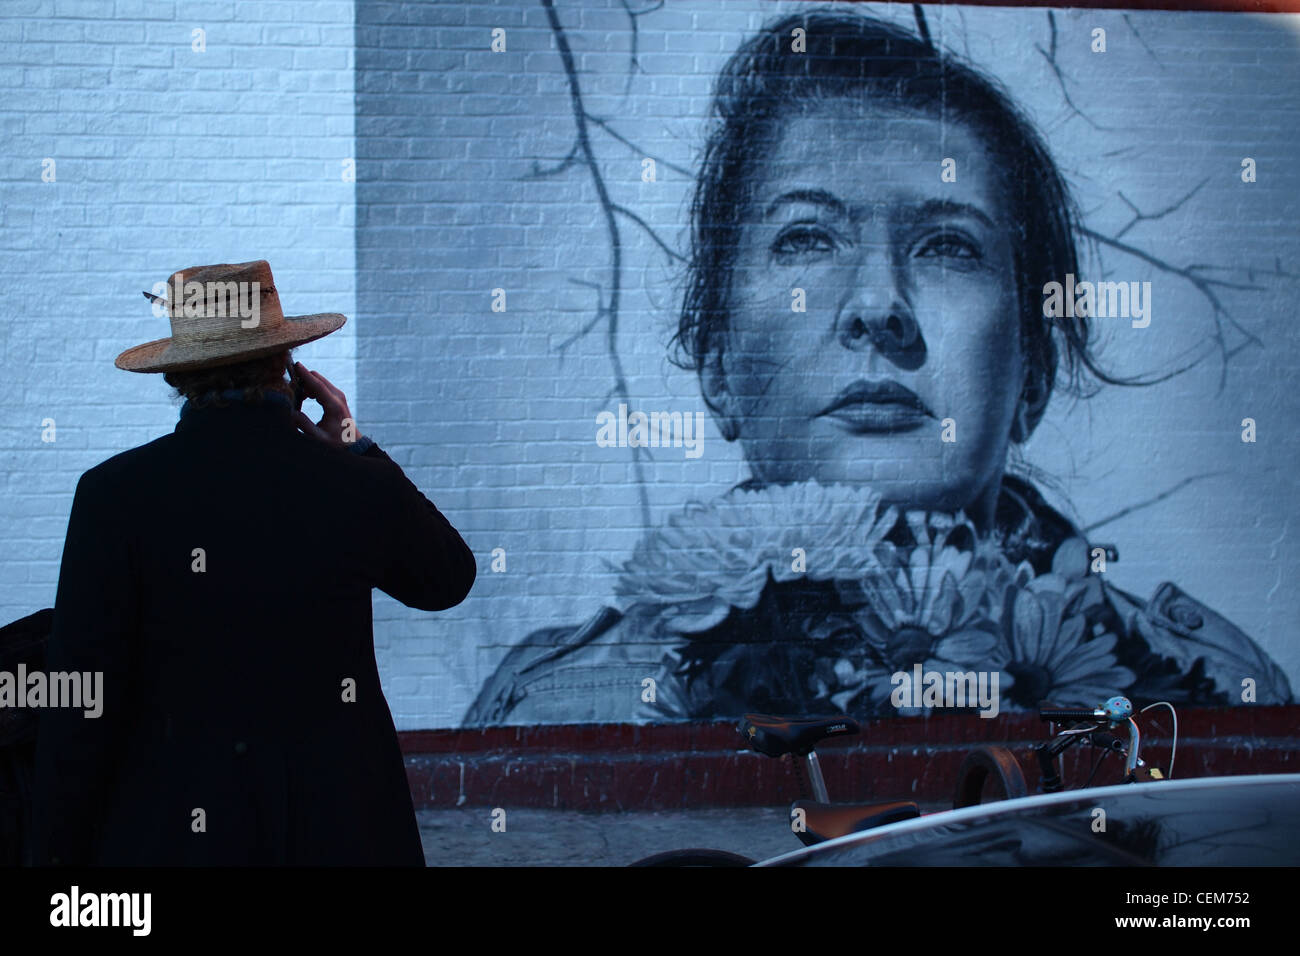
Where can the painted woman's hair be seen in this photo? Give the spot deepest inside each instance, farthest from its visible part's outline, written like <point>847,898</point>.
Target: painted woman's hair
<point>856,57</point>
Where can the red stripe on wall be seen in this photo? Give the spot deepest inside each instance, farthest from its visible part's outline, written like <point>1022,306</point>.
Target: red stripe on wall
<point>696,766</point>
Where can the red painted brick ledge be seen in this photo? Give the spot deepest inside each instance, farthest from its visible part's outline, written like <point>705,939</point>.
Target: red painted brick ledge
<point>701,765</point>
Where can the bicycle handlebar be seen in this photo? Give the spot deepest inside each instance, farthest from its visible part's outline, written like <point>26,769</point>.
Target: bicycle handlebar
<point>1116,710</point>
<point>1062,714</point>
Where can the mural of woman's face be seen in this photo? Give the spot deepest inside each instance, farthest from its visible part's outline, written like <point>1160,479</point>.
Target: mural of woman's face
<point>871,300</point>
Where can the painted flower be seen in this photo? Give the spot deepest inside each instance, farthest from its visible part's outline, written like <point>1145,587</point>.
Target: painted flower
<point>937,600</point>
<point>934,602</point>
<point>1049,653</point>
<point>834,593</point>
<point>710,558</point>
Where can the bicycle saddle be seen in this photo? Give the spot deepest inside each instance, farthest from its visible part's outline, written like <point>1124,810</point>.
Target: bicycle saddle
<point>775,736</point>
<point>826,821</point>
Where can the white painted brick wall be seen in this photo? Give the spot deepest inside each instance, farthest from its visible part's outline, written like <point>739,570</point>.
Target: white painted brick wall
<point>165,158</point>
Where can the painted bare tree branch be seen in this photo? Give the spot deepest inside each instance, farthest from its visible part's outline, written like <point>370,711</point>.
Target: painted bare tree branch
<point>634,65</point>
<point>1209,287</point>
<point>1156,499</point>
<point>1050,56</point>
<point>582,154</point>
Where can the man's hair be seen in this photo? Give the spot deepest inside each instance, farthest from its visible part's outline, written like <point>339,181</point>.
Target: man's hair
<point>855,57</point>
<point>256,377</point>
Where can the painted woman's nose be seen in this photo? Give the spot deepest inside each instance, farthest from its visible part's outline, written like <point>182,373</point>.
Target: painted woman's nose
<point>878,316</point>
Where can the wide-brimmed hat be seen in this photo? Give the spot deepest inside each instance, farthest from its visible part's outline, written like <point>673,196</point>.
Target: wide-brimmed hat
<point>223,314</point>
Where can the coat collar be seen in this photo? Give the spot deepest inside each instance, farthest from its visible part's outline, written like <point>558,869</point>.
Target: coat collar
<point>1031,530</point>
<point>273,411</point>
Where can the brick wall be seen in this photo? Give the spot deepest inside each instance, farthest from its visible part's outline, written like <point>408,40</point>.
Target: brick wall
<point>498,409</point>
<point>166,157</point>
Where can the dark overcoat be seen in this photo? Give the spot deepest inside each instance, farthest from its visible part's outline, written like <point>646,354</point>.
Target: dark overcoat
<point>220,579</point>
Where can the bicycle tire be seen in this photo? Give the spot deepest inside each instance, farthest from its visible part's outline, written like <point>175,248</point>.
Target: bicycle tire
<point>994,761</point>
<point>695,857</point>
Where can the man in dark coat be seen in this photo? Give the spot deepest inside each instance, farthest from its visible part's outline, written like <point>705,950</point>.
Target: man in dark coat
<point>220,579</point>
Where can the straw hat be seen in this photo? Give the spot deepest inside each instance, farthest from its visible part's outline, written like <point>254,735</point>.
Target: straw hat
<point>224,314</point>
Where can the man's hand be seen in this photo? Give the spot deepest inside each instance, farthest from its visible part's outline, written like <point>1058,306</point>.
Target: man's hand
<point>330,428</point>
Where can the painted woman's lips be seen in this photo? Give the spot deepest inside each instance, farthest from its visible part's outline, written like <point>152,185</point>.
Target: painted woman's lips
<point>878,407</point>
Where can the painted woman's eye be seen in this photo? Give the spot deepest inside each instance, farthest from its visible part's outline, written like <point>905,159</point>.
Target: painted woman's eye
<point>802,240</point>
<point>948,245</point>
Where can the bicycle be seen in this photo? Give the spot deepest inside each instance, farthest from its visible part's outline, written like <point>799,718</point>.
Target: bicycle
<point>1084,726</point>
<point>815,819</point>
